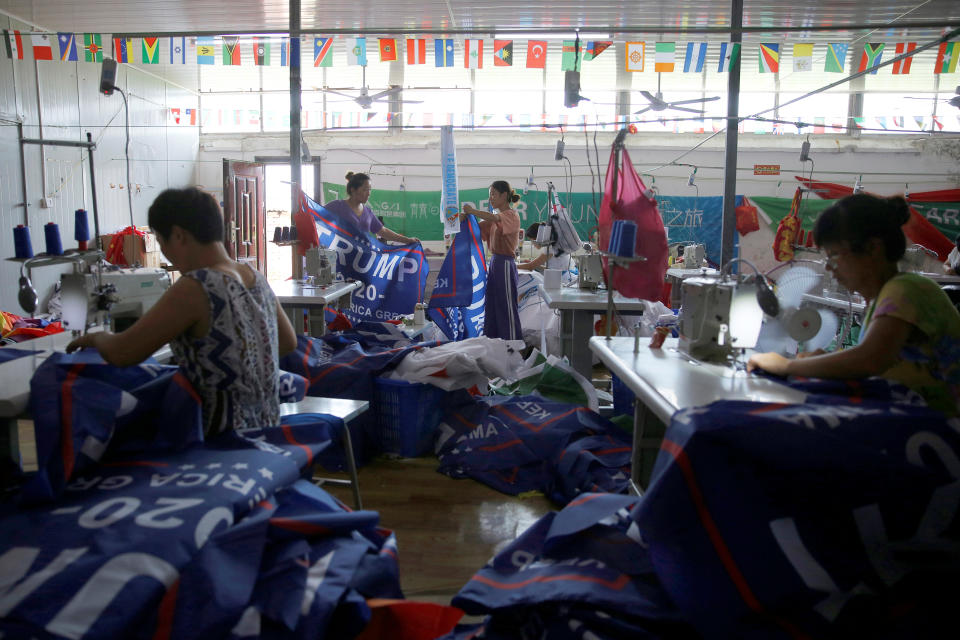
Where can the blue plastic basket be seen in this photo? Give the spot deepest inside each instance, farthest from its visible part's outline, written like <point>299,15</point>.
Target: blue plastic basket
<point>407,416</point>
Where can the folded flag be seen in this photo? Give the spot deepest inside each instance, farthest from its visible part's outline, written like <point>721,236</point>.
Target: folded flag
<point>206,50</point>
<point>595,48</point>
<point>870,58</point>
<point>571,59</point>
<point>416,51</point>
<point>323,52</point>
<point>42,49</point>
<point>836,57</point>
<point>769,57</point>
<point>536,54</point>
<point>473,54</point>
<point>902,67</point>
<point>636,52</point>
<point>123,49</point>
<point>503,53</point>
<point>92,47</point>
<point>729,53</point>
<point>284,51</point>
<point>695,58</point>
<point>443,52</point>
<point>150,50</point>
<point>664,57</point>
<point>261,51</point>
<point>388,49</point>
<point>803,57</point>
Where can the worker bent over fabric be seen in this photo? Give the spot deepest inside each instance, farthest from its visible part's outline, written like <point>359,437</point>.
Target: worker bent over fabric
<point>221,319</point>
<point>501,232</point>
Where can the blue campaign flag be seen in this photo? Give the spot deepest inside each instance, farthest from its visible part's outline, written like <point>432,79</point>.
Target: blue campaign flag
<point>393,277</point>
<point>456,304</point>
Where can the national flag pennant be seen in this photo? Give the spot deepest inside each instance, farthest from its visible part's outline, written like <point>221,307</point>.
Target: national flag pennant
<point>14,44</point>
<point>870,58</point>
<point>42,49</point>
<point>388,49</point>
<point>472,54</point>
<point>536,54</point>
<point>68,47</point>
<point>323,52</point>
<point>572,58</point>
<point>123,49</point>
<point>261,51</point>
<point>695,58</point>
<point>178,50</point>
<point>284,51</point>
<point>836,57</point>
<point>503,53</point>
<point>416,51</point>
<point>664,56</point>
<point>92,47</point>
<point>897,122</point>
<point>803,57</point>
<point>192,113</point>
<point>150,50</point>
<point>769,58</point>
<point>729,54</point>
<point>595,48</point>
<point>902,67</point>
<point>443,52</point>
<point>231,51</point>
<point>357,54</point>
<point>636,52</point>
<point>206,50</point>
<point>947,56</point>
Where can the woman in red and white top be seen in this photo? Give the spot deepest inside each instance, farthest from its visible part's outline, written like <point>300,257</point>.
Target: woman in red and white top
<point>501,232</point>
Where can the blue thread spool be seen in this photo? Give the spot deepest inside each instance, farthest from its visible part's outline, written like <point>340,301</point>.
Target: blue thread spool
<point>81,229</point>
<point>22,246</point>
<point>623,238</point>
<point>51,231</point>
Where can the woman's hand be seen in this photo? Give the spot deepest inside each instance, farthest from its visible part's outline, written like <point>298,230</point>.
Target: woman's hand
<point>469,210</point>
<point>770,362</point>
<point>82,342</point>
<point>810,354</point>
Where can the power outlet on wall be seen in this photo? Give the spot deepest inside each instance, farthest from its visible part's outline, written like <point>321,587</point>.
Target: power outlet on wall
<point>46,203</point>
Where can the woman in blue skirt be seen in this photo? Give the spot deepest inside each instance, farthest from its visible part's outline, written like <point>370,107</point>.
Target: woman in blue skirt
<point>501,232</point>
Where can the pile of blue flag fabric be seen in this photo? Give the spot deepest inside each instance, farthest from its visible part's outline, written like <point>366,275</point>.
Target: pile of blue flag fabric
<point>835,518</point>
<point>129,534</point>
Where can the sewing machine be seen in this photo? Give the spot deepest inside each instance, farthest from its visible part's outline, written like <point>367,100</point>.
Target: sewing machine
<point>321,265</point>
<point>122,295</point>
<point>590,268</point>
<point>717,316</point>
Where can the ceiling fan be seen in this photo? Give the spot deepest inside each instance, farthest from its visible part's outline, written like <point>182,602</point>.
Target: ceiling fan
<point>366,99</point>
<point>954,101</point>
<point>657,103</point>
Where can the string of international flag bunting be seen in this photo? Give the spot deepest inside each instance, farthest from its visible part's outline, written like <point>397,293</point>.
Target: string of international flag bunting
<point>89,47</point>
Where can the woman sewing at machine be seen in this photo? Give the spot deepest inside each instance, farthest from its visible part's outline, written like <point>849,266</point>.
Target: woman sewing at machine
<point>912,331</point>
<point>548,258</point>
<point>221,319</point>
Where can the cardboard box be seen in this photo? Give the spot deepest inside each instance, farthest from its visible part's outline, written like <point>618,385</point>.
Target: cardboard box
<point>143,249</point>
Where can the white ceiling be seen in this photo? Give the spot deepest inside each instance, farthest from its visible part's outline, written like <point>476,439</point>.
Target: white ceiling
<point>776,17</point>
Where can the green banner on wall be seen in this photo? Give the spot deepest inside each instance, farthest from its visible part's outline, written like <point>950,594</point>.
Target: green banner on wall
<point>778,208</point>
<point>417,213</point>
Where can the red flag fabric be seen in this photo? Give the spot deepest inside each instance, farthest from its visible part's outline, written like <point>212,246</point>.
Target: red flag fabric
<point>918,229</point>
<point>416,51</point>
<point>642,279</point>
<point>307,236</point>
<point>536,54</point>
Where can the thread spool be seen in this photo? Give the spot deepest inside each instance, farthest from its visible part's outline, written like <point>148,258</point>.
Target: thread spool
<point>285,235</point>
<point>51,232</point>
<point>22,246</point>
<point>81,229</point>
<point>278,234</point>
<point>623,237</point>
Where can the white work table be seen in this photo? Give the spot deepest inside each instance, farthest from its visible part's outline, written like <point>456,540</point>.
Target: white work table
<point>841,304</point>
<point>577,307</point>
<point>666,380</point>
<point>295,296</point>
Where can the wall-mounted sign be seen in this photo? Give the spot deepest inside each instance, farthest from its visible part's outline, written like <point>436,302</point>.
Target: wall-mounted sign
<point>766,169</point>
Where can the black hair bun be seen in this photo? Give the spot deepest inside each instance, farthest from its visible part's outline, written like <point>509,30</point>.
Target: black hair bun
<point>514,197</point>
<point>349,175</point>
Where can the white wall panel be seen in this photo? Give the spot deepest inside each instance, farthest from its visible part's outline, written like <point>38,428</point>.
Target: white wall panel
<point>70,104</point>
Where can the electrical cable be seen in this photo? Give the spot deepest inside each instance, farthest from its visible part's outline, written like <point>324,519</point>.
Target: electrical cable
<point>126,127</point>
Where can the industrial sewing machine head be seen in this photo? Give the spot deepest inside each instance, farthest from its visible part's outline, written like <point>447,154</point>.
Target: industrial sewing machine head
<point>722,314</point>
<point>120,296</point>
<point>321,265</point>
<point>590,269</point>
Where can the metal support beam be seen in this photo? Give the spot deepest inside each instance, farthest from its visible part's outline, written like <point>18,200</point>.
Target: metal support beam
<point>295,132</point>
<point>729,221</point>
